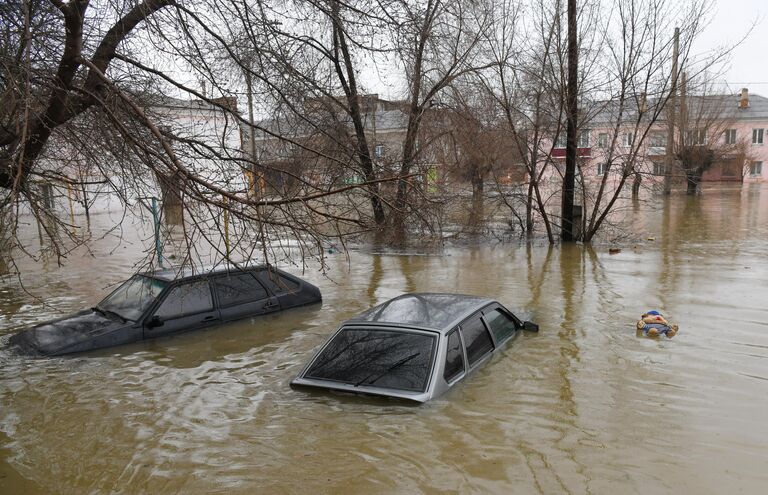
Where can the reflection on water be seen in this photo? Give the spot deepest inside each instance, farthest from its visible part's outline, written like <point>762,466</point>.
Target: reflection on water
<point>582,407</point>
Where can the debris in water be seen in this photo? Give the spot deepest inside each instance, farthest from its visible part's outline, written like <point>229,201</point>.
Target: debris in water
<point>653,324</point>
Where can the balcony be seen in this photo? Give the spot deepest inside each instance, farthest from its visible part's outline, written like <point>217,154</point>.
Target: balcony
<point>580,152</point>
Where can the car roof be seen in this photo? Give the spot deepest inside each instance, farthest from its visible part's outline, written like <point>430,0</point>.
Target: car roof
<point>436,311</point>
<point>181,272</point>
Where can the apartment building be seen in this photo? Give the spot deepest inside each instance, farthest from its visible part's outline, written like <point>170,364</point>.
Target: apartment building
<point>733,127</point>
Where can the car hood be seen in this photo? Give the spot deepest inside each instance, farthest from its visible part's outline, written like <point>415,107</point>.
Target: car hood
<point>62,335</point>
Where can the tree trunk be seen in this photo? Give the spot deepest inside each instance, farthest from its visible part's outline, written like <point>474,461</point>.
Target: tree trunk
<point>636,184</point>
<point>476,214</point>
<point>569,180</point>
<point>349,82</point>
<point>529,210</point>
<point>693,180</point>
<point>171,200</point>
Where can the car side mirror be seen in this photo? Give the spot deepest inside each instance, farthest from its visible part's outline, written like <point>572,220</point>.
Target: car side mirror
<point>530,326</point>
<point>155,321</point>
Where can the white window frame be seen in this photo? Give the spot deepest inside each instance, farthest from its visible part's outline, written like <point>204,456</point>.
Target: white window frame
<point>378,150</point>
<point>627,139</point>
<point>658,140</point>
<point>562,141</point>
<point>602,140</point>
<point>730,136</point>
<point>583,141</point>
<point>756,169</point>
<point>696,137</point>
<point>602,168</point>
<point>659,168</point>
<point>757,137</point>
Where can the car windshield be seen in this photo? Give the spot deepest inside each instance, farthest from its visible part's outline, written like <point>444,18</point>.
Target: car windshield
<point>131,299</point>
<point>381,358</point>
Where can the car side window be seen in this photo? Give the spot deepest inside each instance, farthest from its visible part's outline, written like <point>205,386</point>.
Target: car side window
<point>454,357</point>
<point>239,288</point>
<point>500,324</point>
<point>476,339</point>
<point>186,299</point>
<point>277,283</point>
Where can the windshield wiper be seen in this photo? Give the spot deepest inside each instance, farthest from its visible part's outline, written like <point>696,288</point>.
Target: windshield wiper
<point>107,312</point>
<point>383,373</point>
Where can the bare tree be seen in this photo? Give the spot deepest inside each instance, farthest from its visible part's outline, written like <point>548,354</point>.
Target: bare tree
<point>436,42</point>
<point>85,99</point>
<point>707,136</point>
<point>636,57</point>
<point>88,91</point>
<point>475,144</point>
<point>527,80</point>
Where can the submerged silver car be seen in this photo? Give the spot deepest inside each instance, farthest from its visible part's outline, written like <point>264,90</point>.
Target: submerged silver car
<point>414,347</point>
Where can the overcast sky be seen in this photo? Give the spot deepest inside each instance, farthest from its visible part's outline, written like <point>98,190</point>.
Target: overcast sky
<point>730,21</point>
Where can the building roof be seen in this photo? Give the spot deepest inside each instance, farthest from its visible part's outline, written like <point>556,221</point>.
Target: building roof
<point>724,107</point>
<point>428,310</point>
<point>163,101</point>
<point>757,110</point>
<point>295,126</point>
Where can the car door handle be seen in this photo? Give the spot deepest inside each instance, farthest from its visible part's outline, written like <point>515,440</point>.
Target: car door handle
<point>209,318</point>
<point>270,304</point>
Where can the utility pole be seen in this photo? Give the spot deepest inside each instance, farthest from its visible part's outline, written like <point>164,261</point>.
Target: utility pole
<point>671,117</point>
<point>683,113</point>
<point>572,109</point>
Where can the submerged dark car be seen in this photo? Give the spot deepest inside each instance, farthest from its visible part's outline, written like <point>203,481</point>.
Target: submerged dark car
<point>154,304</point>
<point>414,347</point>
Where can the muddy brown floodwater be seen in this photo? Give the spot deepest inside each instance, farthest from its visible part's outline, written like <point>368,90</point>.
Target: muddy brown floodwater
<point>585,406</point>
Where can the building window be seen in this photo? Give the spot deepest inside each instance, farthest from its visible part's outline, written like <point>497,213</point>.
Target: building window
<point>627,139</point>
<point>378,151</point>
<point>755,169</point>
<point>730,136</point>
<point>602,140</point>
<point>583,139</point>
<point>659,168</point>
<point>696,137</point>
<point>757,136</point>
<point>658,140</point>
<point>602,168</point>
